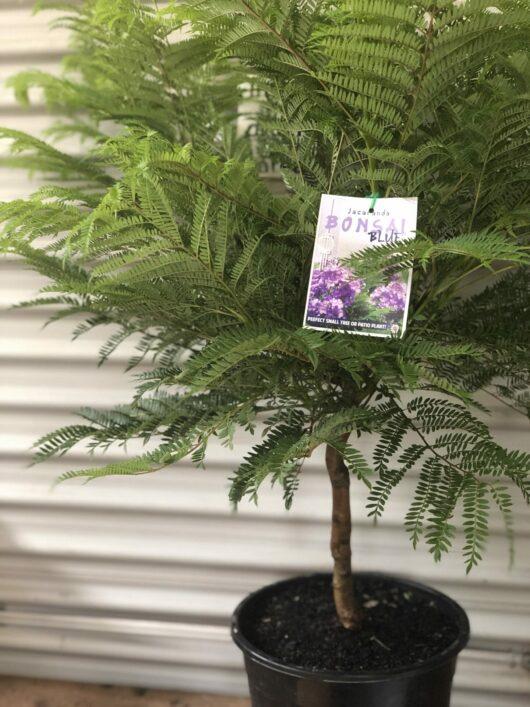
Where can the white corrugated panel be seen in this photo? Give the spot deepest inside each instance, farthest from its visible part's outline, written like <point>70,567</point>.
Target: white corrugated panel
<point>133,580</point>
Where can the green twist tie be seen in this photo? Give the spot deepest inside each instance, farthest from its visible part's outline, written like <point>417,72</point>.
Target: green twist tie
<point>374,197</point>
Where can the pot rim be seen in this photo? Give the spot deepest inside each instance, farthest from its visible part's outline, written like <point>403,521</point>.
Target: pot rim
<point>435,661</point>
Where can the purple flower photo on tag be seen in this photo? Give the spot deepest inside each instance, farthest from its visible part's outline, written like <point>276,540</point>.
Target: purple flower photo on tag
<point>392,296</point>
<point>332,292</point>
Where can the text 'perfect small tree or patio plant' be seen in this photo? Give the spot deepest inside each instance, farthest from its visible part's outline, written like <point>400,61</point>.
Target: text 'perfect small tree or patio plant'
<point>166,226</point>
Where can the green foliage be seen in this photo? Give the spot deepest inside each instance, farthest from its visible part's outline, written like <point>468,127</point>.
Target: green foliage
<point>166,225</point>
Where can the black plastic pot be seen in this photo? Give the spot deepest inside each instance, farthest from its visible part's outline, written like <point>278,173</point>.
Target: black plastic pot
<point>273,684</point>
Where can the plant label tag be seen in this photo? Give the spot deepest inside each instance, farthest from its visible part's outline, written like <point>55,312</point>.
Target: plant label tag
<point>337,300</point>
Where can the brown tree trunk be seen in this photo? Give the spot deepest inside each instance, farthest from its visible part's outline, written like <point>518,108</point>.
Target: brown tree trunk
<point>345,602</point>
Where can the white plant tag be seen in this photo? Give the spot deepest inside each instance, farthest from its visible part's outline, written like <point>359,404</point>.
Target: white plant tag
<point>337,300</point>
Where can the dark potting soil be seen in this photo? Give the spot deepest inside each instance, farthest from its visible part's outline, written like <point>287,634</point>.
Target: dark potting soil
<point>402,627</point>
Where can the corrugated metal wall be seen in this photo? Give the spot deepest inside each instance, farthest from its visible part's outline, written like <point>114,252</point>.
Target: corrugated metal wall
<point>133,580</point>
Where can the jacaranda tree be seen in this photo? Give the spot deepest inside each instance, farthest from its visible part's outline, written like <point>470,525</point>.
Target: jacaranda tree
<point>165,225</point>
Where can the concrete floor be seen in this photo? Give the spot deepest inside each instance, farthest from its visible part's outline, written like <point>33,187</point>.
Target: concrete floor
<point>24,692</point>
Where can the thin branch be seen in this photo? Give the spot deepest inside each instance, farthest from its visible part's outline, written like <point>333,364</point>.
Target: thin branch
<point>506,403</point>
<point>302,61</point>
<point>335,161</point>
<point>429,32</point>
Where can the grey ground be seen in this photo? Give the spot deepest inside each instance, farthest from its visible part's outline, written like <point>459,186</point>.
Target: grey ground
<point>24,692</point>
